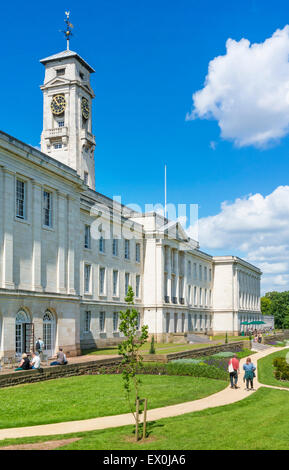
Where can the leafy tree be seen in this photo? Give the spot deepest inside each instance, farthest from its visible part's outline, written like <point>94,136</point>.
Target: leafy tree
<point>130,351</point>
<point>277,304</point>
<point>266,305</point>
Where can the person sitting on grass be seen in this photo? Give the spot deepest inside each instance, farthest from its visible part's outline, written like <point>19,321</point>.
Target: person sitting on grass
<point>249,369</point>
<point>61,359</point>
<point>24,363</point>
<point>35,363</point>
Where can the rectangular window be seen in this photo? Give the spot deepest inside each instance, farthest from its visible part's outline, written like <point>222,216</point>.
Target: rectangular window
<point>189,269</point>
<point>60,72</point>
<point>57,145</point>
<point>102,322</point>
<point>47,209</point>
<point>189,295</point>
<point>85,177</point>
<point>206,297</point>
<point>195,270</point>
<point>102,280</point>
<point>210,275</point>
<point>126,249</point>
<point>60,123</point>
<point>87,237</point>
<point>205,273</point>
<point>87,270</point>
<point>195,296</point>
<point>137,286</point>
<point>115,321</point>
<point>101,244</point>
<point>20,199</point>
<point>201,296</point>
<point>87,322</point>
<point>200,272</point>
<point>137,252</point>
<point>115,282</point>
<point>115,247</point>
<point>126,282</point>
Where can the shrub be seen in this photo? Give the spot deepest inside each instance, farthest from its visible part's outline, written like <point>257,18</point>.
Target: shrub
<point>282,368</point>
<point>197,370</point>
<point>152,346</point>
<point>186,361</point>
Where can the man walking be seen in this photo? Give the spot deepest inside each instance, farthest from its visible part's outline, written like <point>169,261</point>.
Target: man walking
<point>234,370</point>
<point>39,347</point>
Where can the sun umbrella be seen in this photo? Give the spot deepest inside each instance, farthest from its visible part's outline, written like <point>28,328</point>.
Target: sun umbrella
<point>245,323</point>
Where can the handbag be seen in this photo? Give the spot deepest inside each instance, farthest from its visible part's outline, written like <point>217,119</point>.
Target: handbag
<point>231,368</point>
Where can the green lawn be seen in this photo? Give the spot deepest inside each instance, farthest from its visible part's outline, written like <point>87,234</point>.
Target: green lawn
<point>161,348</point>
<point>167,348</point>
<point>92,396</point>
<point>259,422</point>
<point>266,369</point>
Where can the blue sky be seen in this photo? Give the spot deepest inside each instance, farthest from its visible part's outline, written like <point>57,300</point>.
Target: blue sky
<point>150,57</point>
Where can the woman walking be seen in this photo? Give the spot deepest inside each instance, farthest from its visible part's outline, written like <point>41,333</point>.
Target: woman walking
<point>249,369</point>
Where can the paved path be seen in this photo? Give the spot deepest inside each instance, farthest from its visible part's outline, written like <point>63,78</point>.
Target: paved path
<point>224,397</point>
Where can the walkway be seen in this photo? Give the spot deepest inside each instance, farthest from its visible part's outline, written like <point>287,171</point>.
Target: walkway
<point>225,397</point>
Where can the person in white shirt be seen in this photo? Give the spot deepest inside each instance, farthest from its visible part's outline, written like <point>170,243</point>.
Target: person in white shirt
<point>35,363</point>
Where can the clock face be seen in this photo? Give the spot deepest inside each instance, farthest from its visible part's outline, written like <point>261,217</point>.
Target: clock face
<point>58,104</point>
<point>85,108</point>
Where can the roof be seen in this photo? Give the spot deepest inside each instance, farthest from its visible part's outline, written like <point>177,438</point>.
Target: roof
<point>64,55</point>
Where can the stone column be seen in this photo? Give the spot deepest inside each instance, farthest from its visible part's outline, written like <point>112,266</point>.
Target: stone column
<point>62,238</point>
<point>169,271</point>
<point>176,254</point>
<point>71,229</point>
<point>159,273</point>
<point>8,222</point>
<point>36,231</point>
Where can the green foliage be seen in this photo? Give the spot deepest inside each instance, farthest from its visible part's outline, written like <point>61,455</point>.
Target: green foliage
<point>244,353</point>
<point>191,369</point>
<point>129,349</point>
<point>281,368</point>
<point>152,347</point>
<point>186,361</point>
<point>277,304</point>
<point>266,305</point>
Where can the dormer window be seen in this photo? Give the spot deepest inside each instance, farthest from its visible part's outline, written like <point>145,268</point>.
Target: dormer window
<point>60,72</point>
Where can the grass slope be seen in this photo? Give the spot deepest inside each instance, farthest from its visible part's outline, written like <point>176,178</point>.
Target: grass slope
<point>266,369</point>
<point>92,396</point>
<point>259,422</point>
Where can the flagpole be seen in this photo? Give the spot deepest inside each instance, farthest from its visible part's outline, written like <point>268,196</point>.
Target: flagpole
<point>165,191</point>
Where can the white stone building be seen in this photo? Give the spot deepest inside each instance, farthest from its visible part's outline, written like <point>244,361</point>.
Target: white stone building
<point>68,253</point>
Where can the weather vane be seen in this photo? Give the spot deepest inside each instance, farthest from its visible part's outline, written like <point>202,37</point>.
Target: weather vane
<point>69,26</point>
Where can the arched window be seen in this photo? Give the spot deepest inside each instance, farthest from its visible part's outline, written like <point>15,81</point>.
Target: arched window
<point>23,332</point>
<point>49,333</point>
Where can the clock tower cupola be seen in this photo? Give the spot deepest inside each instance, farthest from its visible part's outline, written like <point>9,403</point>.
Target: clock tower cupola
<point>67,98</point>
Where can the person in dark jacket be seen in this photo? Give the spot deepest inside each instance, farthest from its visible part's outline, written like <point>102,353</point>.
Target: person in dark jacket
<point>249,369</point>
<point>24,363</point>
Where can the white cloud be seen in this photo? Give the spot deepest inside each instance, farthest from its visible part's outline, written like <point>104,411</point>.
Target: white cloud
<point>247,91</point>
<point>258,227</point>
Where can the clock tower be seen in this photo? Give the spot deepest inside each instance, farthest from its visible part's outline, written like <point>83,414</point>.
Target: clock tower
<point>67,98</point>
